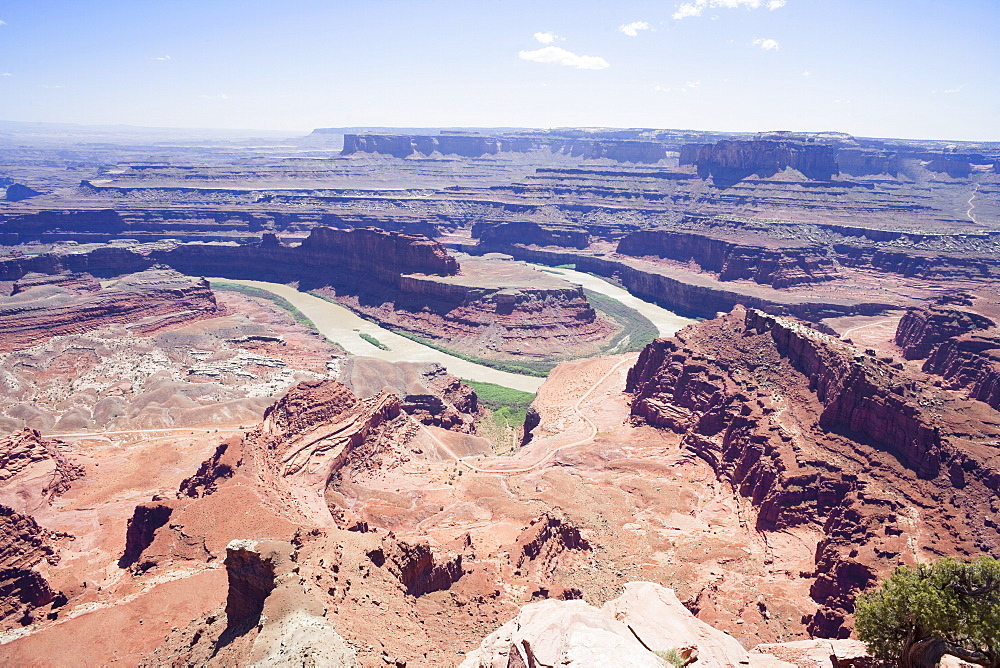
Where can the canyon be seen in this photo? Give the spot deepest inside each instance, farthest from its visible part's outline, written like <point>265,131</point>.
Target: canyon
<point>192,473</point>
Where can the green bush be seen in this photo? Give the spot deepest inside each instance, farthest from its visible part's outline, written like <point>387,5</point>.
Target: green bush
<point>918,615</point>
<point>637,330</point>
<point>277,300</point>
<point>372,340</point>
<point>671,656</point>
<point>509,406</point>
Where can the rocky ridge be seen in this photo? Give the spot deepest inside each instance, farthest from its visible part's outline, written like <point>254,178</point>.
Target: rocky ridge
<point>777,265</point>
<point>815,434</point>
<point>53,305</point>
<point>475,145</point>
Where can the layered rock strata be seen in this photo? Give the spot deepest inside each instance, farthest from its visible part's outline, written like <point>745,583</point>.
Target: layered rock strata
<point>27,459</point>
<point>959,343</point>
<point>815,434</point>
<point>778,265</point>
<point>475,145</point>
<point>42,307</point>
<point>404,281</point>
<point>426,391</point>
<point>695,295</point>
<point>24,546</point>
<point>729,161</point>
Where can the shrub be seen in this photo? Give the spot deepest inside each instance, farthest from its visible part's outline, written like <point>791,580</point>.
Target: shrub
<point>918,615</point>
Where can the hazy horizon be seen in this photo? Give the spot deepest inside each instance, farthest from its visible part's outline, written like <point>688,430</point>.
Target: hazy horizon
<point>893,69</point>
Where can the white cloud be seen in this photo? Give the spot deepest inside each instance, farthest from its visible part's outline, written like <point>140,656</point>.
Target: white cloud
<point>696,7</point>
<point>555,55</point>
<point>807,73</point>
<point>6,74</point>
<point>632,29</point>
<point>2,22</point>
<point>954,90</point>
<point>547,37</point>
<point>160,58</point>
<point>766,44</point>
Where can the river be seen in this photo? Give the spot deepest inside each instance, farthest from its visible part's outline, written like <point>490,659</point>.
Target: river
<point>667,322</point>
<point>343,326</point>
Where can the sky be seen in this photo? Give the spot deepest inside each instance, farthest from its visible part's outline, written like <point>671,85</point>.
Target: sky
<point>877,68</point>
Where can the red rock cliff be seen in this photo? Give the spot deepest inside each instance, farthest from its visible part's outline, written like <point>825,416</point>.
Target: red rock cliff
<point>776,265</point>
<point>815,434</point>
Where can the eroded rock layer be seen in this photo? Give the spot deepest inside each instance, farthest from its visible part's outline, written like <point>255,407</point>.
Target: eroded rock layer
<point>778,265</point>
<point>42,306</point>
<point>812,432</point>
<point>960,341</point>
<point>23,546</point>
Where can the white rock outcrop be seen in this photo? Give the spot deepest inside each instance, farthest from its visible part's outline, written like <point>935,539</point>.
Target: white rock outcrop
<point>627,631</point>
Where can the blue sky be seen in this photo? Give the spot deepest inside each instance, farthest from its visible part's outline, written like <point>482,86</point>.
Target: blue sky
<point>890,68</point>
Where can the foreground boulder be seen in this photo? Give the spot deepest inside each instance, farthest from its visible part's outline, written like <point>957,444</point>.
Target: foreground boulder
<point>636,629</point>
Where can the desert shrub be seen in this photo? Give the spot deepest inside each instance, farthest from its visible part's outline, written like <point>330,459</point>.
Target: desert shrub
<point>917,615</point>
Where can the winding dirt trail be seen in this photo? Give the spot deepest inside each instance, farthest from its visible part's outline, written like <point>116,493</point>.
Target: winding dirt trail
<point>551,454</point>
<point>847,332</point>
<point>975,191</point>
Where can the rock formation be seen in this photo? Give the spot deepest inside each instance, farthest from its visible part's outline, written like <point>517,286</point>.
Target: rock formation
<point>474,145</point>
<point>701,295</point>
<point>628,630</point>
<point>728,162</point>
<point>960,343</point>
<point>530,233</point>
<point>142,527</point>
<point>24,546</point>
<point>316,429</point>
<point>814,433</point>
<point>45,306</point>
<point>426,391</point>
<point>779,265</point>
<point>546,541</point>
<point>35,468</point>
<point>17,192</point>
<point>353,260</point>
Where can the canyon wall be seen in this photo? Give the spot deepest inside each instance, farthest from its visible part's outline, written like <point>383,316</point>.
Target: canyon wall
<point>702,298</point>
<point>730,161</point>
<point>779,266</point>
<point>476,145</point>
<point>351,259</point>
<point>815,434</point>
<point>959,343</point>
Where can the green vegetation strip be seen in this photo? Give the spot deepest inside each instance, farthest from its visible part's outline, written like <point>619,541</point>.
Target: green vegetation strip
<point>509,406</point>
<point>277,300</point>
<point>637,330</point>
<point>372,340</point>
<point>537,369</point>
